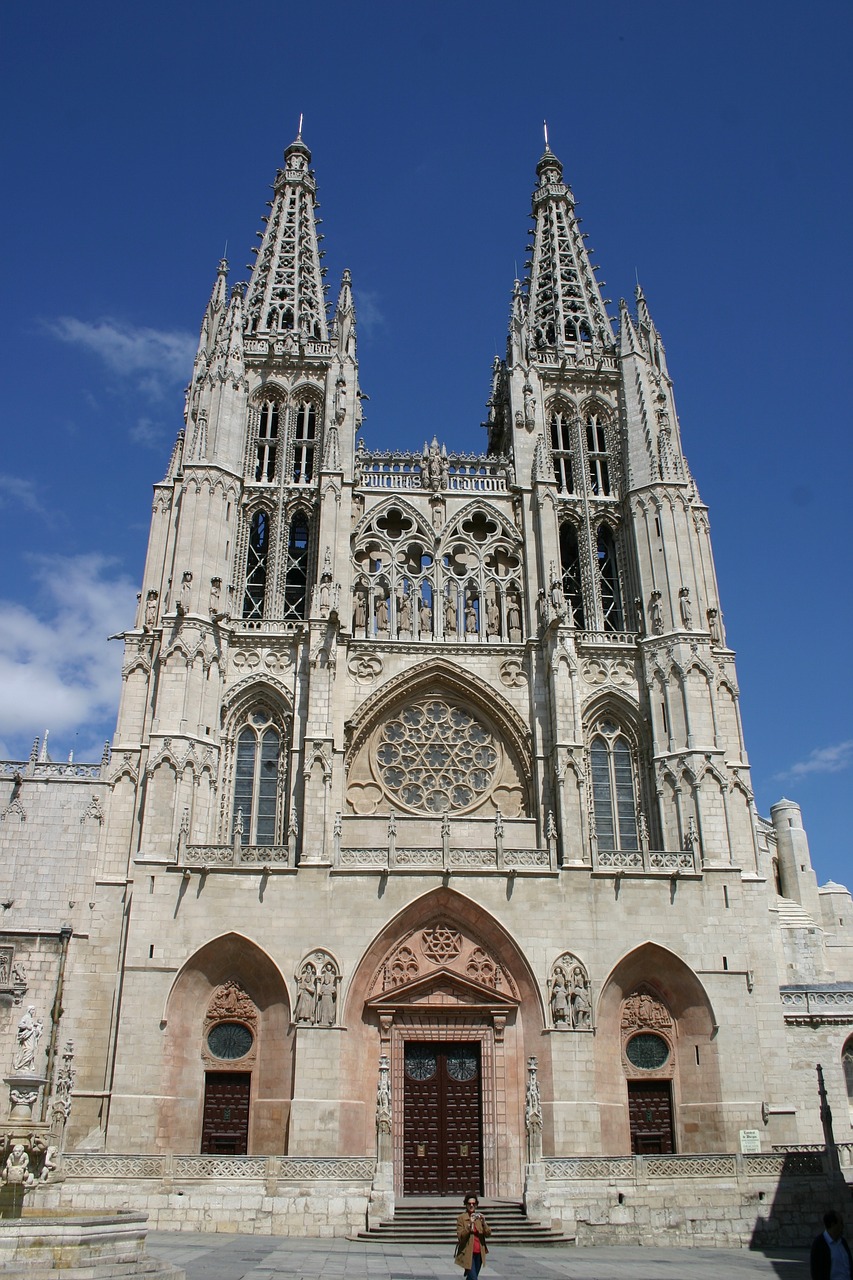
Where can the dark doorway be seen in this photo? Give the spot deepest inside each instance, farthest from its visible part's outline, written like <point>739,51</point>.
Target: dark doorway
<point>225,1128</point>
<point>442,1146</point>
<point>650,1117</point>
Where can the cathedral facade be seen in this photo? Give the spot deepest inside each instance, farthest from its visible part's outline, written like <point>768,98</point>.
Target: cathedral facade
<point>426,840</point>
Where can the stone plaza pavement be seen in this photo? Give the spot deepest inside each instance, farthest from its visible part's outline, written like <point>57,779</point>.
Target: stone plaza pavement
<point>235,1257</point>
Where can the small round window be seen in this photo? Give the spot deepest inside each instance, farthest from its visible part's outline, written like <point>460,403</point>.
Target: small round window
<point>647,1051</point>
<point>230,1040</point>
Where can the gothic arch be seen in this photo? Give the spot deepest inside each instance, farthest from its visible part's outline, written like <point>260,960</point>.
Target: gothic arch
<point>474,713</point>
<point>251,696</point>
<point>694,1070</point>
<point>505,527</point>
<point>367,523</point>
<point>444,1004</point>
<point>229,956</point>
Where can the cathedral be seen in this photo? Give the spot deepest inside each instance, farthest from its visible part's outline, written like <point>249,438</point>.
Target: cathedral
<point>425,857</point>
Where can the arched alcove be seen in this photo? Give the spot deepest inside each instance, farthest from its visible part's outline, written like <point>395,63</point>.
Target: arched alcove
<point>234,962</point>
<point>680,1015</point>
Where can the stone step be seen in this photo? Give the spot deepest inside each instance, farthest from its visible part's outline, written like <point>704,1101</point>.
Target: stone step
<point>436,1224</point>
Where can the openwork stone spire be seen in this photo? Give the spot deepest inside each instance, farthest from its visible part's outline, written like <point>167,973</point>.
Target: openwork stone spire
<point>565,307</point>
<point>286,289</point>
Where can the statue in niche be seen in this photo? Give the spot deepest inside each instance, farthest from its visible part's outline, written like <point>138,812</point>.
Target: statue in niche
<point>638,613</point>
<point>558,599</point>
<point>529,407</point>
<point>513,615</point>
<point>685,604</point>
<point>327,995</point>
<point>214,599</point>
<point>470,617</point>
<point>151,610</point>
<point>656,613</point>
<point>581,1006</point>
<point>382,614</point>
<point>493,617</point>
<point>306,999</point>
<point>340,399</point>
<point>359,607</point>
<point>404,613</point>
<point>28,1036</point>
<point>183,606</point>
<point>561,1013</point>
<point>450,616</point>
<point>713,625</point>
<point>425,618</point>
<point>325,594</point>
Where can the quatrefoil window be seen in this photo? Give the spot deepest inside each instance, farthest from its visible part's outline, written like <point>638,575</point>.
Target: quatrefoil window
<point>436,757</point>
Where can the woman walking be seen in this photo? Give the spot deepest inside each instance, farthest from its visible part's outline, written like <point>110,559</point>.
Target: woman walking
<point>471,1232</point>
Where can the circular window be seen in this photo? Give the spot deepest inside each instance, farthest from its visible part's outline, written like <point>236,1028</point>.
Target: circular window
<point>462,1065</point>
<point>647,1051</point>
<point>230,1040</point>
<point>421,1061</point>
<point>436,757</point>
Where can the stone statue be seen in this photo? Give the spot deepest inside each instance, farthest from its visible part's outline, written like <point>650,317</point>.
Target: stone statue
<point>450,616</point>
<point>382,614</point>
<point>186,590</point>
<point>425,618</point>
<point>306,999</point>
<point>359,607</point>
<point>325,595</point>
<point>558,599</point>
<point>340,399</point>
<point>686,606</point>
<point>29,1034</point>
<point>656,613</point>
<point>713,625</point>
<point>581,1007</point>
<point>17,1166</point>
<point>151,609</point>
<point>404,613</point>
<point>560,1007</point>
<point>533,1113</point>
<point>327,996</point>
<point>513,616</point>
<point>493,617</point>
<point>470,618</point>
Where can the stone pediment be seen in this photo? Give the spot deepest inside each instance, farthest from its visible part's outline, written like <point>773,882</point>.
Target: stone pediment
<point>443,988</point>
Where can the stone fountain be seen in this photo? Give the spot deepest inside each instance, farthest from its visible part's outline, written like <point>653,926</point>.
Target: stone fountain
<point>50,1245</point>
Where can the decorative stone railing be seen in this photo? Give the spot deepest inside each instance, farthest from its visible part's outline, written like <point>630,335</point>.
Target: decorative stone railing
<point>645,861</point>
<point>642,1169</point>
<point>471,473</point>
<point>455,860</point>
<point>606,639</point>
<point>236,1168</point>
<point>251,856</point>
<point>286,346</point>
<point>44,769</point>
<point>267,625</point>
<point>551,357</point>
<point>824,1002</point>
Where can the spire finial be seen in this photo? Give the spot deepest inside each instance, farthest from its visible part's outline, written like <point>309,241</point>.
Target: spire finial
<point>299,130</point>
<point>545,130</point>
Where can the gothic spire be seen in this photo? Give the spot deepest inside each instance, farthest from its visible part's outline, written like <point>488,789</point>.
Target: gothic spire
<point>286,289</point>
<point>343,331</point>
<point>565,312</point>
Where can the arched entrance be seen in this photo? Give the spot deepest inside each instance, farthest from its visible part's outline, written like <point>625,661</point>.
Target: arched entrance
<point>452,1004</point>
<point>657,1069</point>
<point>227,1072</point>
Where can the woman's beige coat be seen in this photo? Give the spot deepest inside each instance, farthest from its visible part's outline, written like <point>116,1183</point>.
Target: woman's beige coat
<point>464,1238</point>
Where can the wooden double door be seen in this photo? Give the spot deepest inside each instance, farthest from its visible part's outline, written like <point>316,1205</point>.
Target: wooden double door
<point>442,1118</point>
<point>225,1127</point>
<point>650,1117</point>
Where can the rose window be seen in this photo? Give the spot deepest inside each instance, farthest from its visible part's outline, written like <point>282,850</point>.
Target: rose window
<point>436,757</point>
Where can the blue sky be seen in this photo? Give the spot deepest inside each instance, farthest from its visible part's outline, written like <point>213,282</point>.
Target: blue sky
<point>708,148</point>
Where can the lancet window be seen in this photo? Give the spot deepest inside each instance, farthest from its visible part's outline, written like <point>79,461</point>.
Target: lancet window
<point>614,798</point>
<point>304,440</point>
<point>257,559</point>
<point>597,454</point>
<point>480,593</point>
<point>847,1064</point>
<point>267,446</point>
<point>296,567</point>
<point>255,814</point>
<point>570,566</point>
<point>561,449</point>
<point>608,580</point>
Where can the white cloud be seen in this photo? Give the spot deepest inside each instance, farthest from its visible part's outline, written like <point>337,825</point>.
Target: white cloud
<point>149,433</point>
<point>17,489</point>
<point>832,759</point>
<point>56,669</point>
<point>369,317</point>
<point>155,359</point>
